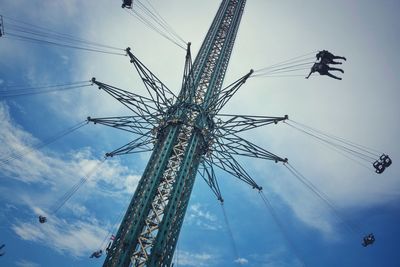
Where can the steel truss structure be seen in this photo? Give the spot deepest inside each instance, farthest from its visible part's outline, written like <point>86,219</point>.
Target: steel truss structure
<point>187,136</point>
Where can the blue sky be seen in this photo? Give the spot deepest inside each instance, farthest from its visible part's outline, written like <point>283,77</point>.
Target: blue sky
<point>363,107</point>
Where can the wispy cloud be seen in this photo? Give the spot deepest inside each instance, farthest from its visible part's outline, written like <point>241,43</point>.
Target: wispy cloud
<point>199,216</point>
<point>26,263</point>
<point>76,238</point>
<point>186,258</point>
<point>278,257</point>
<point>241,261</point>
<point>35,166</point>
<point>80,232</point>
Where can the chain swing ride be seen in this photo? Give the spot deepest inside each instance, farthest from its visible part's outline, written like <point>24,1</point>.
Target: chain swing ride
<point>185,133</point>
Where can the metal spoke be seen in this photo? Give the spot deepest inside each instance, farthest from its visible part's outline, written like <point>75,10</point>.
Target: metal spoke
<point>206,171</point>
<point>138,104</point>
<point>239,123</point>
<point>135,124</point>
<point>187,92</point>
<point>225,161</point>
<point>236,145</point>
<point>159,92</point>
<point>222,97</point>
<point>142,144</point>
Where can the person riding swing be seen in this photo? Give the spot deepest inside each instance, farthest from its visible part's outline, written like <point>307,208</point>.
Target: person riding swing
<point>126,3</point>
<point>323,69</point>
<point>328,58</point>
<point>42,219</point>
<point>368,240</point>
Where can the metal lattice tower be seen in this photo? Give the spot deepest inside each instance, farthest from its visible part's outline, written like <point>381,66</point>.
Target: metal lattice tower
<point>186,138</point>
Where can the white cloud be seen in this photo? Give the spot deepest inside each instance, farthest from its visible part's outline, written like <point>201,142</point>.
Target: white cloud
<point>277,257</point>
<point>26,263</point>
<point>77,209</point>
<point>241,261</point>
<point>74,238</point>
<point>34,166</point>
<point>198,212</point>
<point>186,258</point>
<point>199,216</point>
<point>81,232</point>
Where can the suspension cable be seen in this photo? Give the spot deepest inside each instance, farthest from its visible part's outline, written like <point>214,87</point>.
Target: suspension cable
<point>287,63</point>
<point>288,71</point>
<point>38,86</point>
<point>341,152</point>
<point>23,31</point>
<point>38,29</point>
<point>298,63</point>
<point>67,195</point>
<point>278,222</point>
<point>157,18</point>
<point>275,66</point>
<point>35,40</point>
<point>40,145</point>
<point>233,243</point>
<point>348,150</point>
<point>297,66</point>
<point>59,37</point>
<point>151,26</point>
<point>306,182</point>
<point>340,139</point>
<point>165,22</point>
<point>34,90</point>
<point>152,19</point>
<point>272,76</point>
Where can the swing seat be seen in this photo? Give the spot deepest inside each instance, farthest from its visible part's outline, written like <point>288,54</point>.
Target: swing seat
<point>42,219</point>
<point>127,4</point>
<point>368,240</point>
<point>386,160</point>
<point>379,166</point>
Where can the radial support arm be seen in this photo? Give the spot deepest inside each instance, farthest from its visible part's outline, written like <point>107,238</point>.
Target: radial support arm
<point>142,144</point>
<point>226,94</point>
<point>187,93</point>
<point>237,145</point>
<point>225,161</point>
<point>158,91</point>
<point>140,105</point>
<point>140,125</point>
<point>206,171</point>
<point>239,123</point>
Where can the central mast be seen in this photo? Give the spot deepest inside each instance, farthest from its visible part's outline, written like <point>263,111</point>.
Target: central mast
<point>150,228</point>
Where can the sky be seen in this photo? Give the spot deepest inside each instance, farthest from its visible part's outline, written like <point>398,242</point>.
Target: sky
<point>363,107</point>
